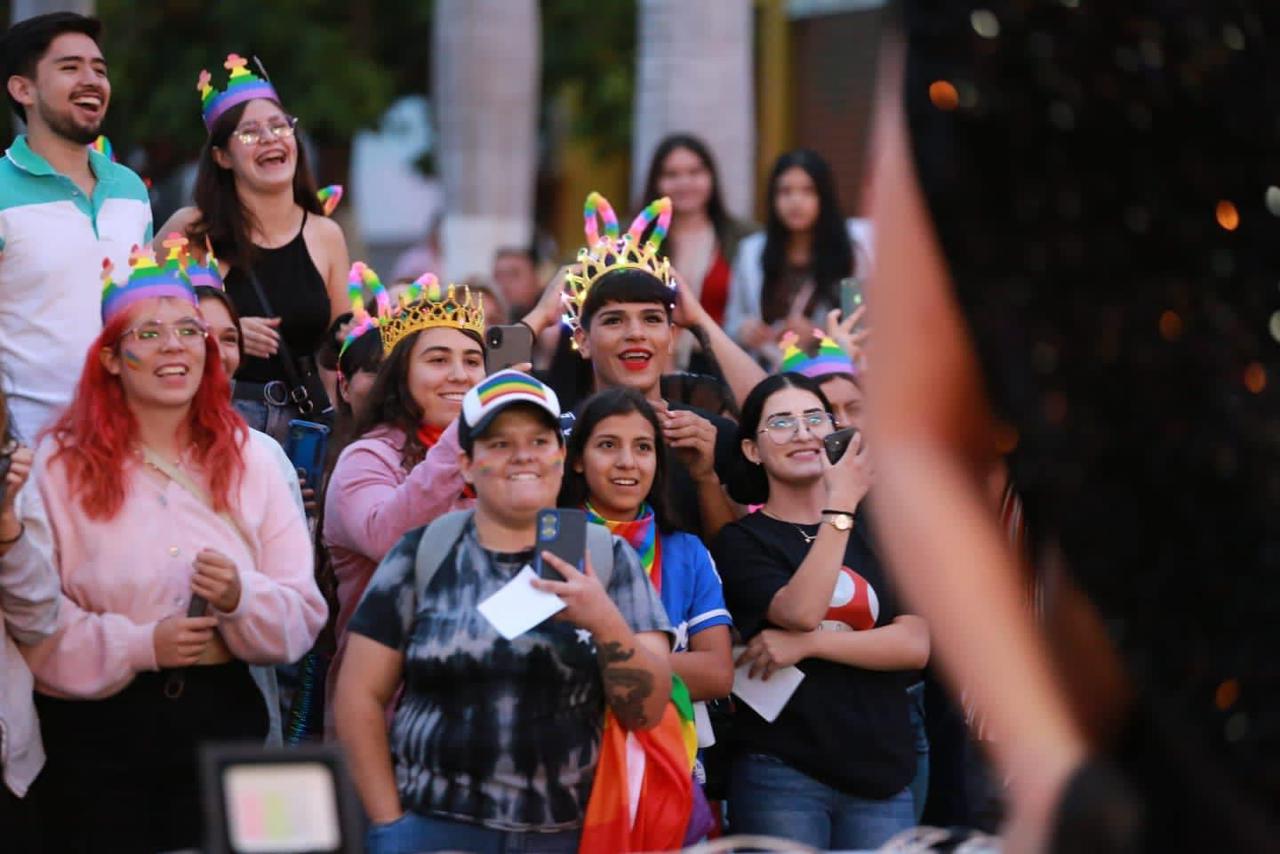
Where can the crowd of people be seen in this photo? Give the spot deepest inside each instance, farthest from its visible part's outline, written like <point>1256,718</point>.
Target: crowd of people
<point>1056,447</point>
<point>168,571</point>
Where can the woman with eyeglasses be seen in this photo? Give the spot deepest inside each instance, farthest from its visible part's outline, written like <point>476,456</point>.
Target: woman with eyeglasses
<point>255,201</point>
<point>806,590</point>
<point>185,570</point>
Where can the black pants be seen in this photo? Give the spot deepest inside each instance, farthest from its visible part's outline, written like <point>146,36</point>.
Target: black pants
<point>123,774</point>
<point>19,822</point>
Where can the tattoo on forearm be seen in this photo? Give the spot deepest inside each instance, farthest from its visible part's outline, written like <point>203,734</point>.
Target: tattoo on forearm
<point>626,688</point>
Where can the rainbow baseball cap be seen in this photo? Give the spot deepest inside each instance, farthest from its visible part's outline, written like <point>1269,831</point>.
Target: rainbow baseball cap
<point>488,398</point>
<point>830,359</point>
<point>147,280</point>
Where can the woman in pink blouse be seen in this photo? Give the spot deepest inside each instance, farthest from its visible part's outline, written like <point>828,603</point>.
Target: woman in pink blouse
<point>183,561</point>
<point>403,471</point>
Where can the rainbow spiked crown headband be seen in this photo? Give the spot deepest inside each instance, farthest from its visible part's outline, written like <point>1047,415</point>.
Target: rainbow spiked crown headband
<point>147,279</point>
<point>829,359</point>
<point>425,305</point>
<point>607,252</point>
<point>242,85</point>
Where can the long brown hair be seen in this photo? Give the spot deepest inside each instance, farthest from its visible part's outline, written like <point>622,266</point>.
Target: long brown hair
<point>224,219</point>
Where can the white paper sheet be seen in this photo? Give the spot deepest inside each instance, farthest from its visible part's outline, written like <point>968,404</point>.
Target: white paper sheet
<point>518,607</point>
<point>767,698</point>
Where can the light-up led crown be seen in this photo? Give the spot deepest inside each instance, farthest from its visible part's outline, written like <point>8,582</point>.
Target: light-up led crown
<point>425,305</point>
<point>607,252</point>
<point>242,85</point>
<point>147,279</point>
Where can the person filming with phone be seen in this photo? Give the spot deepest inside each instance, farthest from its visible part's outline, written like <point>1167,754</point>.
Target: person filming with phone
<point>806,590</point>
<point>495,741</point>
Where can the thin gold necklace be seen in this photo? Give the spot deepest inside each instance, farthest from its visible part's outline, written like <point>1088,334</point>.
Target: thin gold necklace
<point>808,538</point>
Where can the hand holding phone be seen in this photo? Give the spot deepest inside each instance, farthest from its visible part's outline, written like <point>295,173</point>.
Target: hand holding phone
<point>837,443</point>
<point>505,346</point>
<point>563,532</point>
<point>851,297</point>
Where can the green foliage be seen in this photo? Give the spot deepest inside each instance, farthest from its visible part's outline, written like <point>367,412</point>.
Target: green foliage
<point>337,65</point>
<point>589,51</point>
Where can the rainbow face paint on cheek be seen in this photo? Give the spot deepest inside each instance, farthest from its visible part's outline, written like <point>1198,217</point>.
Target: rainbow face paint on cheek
<point>131,359</point>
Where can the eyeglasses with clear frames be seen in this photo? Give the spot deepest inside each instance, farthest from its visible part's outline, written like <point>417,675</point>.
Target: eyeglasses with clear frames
<point>786,428</point>
<point>153,334</point>
<point>277,128</point>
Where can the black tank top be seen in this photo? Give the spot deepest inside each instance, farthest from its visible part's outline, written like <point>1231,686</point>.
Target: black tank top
<point>298,296</point>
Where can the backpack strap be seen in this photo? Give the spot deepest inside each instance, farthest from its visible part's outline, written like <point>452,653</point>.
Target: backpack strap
<point>437,541</point>
<point>600,547</point>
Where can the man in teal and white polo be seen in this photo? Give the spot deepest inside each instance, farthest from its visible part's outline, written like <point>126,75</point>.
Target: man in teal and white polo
<point>63,209</point>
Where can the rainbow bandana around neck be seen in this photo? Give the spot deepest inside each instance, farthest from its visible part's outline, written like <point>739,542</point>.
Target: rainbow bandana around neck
<point>242,85</point>
<point>830,359</point>
<point>147,280</point>
<point>641,534</point>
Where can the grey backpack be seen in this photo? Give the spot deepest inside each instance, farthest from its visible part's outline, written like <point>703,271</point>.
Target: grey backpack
<point>443,534</point>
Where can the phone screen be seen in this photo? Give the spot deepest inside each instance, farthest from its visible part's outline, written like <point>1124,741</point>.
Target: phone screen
<point>282,807</point>
<point>564,534</point>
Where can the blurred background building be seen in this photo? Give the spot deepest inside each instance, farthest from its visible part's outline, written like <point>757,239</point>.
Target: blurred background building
<point>459,126</point>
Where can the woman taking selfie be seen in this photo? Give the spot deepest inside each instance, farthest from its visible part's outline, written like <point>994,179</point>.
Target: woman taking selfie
<point>183,562</point>
<point>805,589</point>
<point>495,741</point>
<point>255,201</point>
<point>403,471</point>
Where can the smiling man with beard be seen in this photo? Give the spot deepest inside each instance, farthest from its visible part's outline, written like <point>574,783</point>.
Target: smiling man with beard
<point>63,208</point>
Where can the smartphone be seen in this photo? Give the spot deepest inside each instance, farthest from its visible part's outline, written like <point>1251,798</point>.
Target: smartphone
<point>505,346</point>
<point>851,298</point>
<point>564,534</point>
<point>198,606</point>
<point>838,442</point>
<point>306,445</point>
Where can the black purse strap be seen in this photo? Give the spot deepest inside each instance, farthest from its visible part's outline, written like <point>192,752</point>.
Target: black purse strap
<point>298,394</point>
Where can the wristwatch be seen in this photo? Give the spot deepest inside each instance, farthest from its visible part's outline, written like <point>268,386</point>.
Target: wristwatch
<point>838,519</point>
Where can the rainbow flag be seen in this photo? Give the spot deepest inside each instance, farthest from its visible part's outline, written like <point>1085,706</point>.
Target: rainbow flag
<point>642,795</point>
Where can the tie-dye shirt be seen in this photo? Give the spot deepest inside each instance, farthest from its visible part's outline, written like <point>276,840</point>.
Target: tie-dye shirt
<point>495,732</point>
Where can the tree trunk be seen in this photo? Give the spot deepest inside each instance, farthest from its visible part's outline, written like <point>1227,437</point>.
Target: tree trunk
<point>487,65</point>
<point>694,74</point>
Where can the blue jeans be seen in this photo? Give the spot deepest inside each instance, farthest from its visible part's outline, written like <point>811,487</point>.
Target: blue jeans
<point>919,785</point>
<point>767,796</point>
<point>413,833</point>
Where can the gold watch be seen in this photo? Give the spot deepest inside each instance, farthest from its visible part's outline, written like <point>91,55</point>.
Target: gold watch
<point>839,520</point>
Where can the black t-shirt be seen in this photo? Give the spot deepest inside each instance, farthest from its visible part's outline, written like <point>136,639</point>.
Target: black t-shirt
<point>682,492</point>
<point>846,727</point>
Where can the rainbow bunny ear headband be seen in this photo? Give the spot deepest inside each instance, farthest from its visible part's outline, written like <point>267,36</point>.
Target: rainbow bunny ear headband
<point>329,197</point>
<point>147,279</point>
<point>607,252</point>
<point>425,305</point>
<point>242,85</point>
<point>830,358</point>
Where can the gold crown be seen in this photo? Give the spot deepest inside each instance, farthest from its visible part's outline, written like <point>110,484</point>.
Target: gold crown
<point>607,252</point>
<point>454,307</point>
